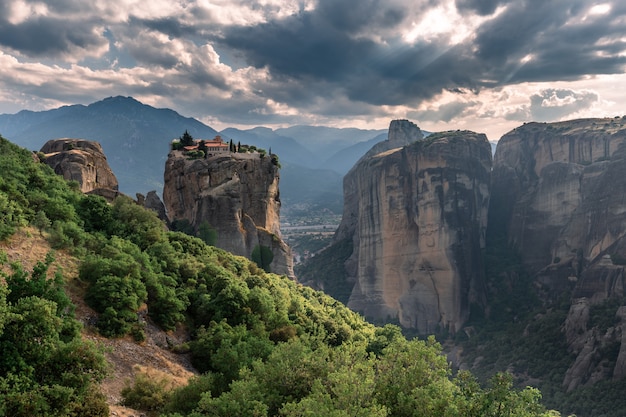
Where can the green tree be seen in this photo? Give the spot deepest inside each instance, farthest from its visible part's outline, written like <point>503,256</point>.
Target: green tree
<point>44,368</point>
<point>11,215</point>
<point>262,256</point>
<point>186,139</point>
<point>41,222</point>
<point>348,390</point>
<point>242,400</point>
<point>414,378</point>
<point>117,299</point>
<point>202,146</point>
<point>182,225</point>
<point>226,349</point>
<point>207,233</point>
<point>96,214</point>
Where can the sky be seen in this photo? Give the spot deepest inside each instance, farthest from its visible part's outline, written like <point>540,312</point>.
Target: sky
<point>482,65</point>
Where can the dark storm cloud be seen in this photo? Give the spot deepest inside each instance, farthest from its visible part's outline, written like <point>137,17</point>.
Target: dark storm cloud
<point>328,49</point>
<point>151,53</point>
<point>171,26</point>
<point>299,47</point>
<point>50,37</point>
<point>481,7</point>
<point>563,45</point>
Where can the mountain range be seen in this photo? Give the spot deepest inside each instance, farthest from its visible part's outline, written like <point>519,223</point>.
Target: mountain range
<point>136,137</point>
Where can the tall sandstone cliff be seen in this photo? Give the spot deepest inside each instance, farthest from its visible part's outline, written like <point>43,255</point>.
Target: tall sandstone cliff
<point>416,211</point>
<point>237,194</point>
<point>82,161</point>
<point>559,198</point>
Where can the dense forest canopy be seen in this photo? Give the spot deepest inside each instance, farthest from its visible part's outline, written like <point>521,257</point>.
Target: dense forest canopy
<point>263,344</point>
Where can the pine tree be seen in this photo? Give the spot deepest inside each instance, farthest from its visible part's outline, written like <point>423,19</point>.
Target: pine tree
<point>186,139</point>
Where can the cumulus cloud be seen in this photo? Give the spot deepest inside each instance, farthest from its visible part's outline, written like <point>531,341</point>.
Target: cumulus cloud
<point>286,61</point>
<point>554,104</point>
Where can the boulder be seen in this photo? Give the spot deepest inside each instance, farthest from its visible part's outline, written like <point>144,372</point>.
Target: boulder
<point>82,161</point>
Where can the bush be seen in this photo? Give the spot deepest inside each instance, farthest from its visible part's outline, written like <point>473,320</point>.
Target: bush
<point>67,235</point>
<point>262,256</point>
<point>198,154</point>
<point>147,393</point>
<point>45,367</point>
<point>207,233</point>
<point>185,399</point>
<point>117,299</point>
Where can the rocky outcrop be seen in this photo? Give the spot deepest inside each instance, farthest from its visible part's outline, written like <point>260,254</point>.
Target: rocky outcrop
<point>82,161</point>
<point>417,215</point>
<point>401,133</point>
<point>153,202</point>
<point>558,199</point>
<point>554,197</point>
<point>599,351</point>
<point>237,194</point>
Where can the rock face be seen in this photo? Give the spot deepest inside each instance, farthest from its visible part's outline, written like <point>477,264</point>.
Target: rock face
<point>82,161</point>
<point>154,203</point>
<point>558,198</point>
<point>417,215</point>
<point>237,194</point>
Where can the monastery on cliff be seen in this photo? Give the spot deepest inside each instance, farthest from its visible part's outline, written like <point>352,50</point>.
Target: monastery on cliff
<point>215,145</point>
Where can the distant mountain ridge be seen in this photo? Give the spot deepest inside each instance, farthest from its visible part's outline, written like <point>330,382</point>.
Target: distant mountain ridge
<point>135,138</point>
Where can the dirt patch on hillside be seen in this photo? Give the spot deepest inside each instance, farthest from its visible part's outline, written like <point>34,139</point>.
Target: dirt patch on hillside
<point>126,357</point>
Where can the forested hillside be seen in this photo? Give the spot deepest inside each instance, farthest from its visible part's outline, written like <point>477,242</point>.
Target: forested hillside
<point>262,344</point>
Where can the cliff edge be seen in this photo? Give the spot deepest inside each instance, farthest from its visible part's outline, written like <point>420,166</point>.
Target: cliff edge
<point>237,194</point>
<point>558,199</point>
<point>416,214</point>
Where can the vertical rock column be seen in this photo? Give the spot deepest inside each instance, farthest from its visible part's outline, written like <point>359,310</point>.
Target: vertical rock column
<point>419,216</point>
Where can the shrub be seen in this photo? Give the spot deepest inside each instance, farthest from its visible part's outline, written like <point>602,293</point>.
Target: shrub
<point>207,233</point>
<point>262,256</point>
<point>67,235</point>
<point>147,393</point>
<point>117,299</point>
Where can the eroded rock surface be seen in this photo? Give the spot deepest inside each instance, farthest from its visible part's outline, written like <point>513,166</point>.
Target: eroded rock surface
<point>417,215</point>
<point>559,198</point>
<point>82,161</point>
<point>237,194</point>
